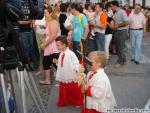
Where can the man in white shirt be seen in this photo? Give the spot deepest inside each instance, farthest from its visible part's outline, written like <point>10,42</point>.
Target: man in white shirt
<point>137,23</point>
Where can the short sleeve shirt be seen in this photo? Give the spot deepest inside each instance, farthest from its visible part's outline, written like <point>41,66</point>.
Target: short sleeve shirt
<point>119,17</point>
<point>79,23</point>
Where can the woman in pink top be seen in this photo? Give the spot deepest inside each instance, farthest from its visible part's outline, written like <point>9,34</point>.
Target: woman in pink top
<point>49,45</point>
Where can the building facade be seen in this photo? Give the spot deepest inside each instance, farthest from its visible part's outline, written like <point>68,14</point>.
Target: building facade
<point>132,2</point>
<point>121,2</point>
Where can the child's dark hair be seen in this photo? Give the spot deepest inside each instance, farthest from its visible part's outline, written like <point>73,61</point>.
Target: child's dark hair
<point>92,6</point>
<point>115,3</point>
<point>87,5</point>
<point>63,7</point>
<point>77,7</point>
<point>62,39</point>
<point>100,5</point>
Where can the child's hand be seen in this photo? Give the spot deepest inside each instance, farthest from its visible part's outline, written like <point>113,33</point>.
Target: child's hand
<point>81,69</point>
<point>80,78</point>
<point>69,27</point>
<point>93,24</point>
<point>42,46</point>
<point>84,87</point>
<point>55,61</point>
<point>81,75</point>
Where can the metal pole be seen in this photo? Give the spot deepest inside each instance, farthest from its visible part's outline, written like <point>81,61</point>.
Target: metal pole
<point>17,91</point>
<point>23,92</point>
<point>13,90</point>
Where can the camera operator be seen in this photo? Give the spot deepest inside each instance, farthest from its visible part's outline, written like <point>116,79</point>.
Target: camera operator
<point>2,13</point>
<point>27,41</point>
<point>2,20</point>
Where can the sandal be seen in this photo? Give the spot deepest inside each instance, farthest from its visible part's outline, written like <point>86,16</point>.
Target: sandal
<point>44,83</point>
<point>38,73</point>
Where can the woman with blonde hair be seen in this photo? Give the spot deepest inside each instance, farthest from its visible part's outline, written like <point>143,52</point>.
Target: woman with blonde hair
<point>49,45</point>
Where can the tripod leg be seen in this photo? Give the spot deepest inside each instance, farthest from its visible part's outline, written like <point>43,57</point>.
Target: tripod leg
<point>18,77</point>
<point>4,93</point>
<point>31,91</point>
<point>36,90</point>
<point>16,84</point>
<point>23,91</point>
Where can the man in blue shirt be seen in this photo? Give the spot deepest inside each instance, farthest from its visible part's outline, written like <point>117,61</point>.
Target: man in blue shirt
<point>121,22</point>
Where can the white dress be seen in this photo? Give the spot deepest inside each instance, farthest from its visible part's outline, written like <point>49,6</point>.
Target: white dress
<point>68,72</point>
<point>102,97</point>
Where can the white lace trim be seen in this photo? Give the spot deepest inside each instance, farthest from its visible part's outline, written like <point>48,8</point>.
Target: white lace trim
<point>67,81</point>
<point>96,107</point>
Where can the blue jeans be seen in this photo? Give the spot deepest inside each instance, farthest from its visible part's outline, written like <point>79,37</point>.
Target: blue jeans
<point>76,47</point>
<point>100,41</point>
<point>27,41</point>
<point>90,45</point>
<point>119,38</point>
<point>136,42</point>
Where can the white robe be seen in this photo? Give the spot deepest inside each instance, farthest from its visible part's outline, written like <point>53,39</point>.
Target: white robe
<point>102,97</point>
<point>67,73</point>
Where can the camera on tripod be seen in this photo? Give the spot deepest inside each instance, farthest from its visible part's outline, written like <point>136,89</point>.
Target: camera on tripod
<point>12,11</point>
<point>12,54</point>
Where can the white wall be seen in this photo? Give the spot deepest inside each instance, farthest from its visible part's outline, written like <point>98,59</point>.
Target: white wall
<point>131,3</point>
<point>138,2</point>
<point>52,1</point>
<point>148,3</point>
<point>95,1</point>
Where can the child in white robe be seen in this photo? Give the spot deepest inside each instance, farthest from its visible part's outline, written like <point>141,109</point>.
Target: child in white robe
<point>96,86</point>
<point>68,65</point>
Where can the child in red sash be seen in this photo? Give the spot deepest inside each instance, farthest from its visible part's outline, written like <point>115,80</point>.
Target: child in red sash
<point>68,65</point>
<point>96,86</point>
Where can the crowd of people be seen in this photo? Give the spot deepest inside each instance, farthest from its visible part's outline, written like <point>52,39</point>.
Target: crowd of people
<point>146,12</point>
<point>94,30</point>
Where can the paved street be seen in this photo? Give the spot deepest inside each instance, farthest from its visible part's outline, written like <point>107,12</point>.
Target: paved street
<point>130,84</point>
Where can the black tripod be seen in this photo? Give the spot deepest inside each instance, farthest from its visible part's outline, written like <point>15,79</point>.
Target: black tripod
<point>27,83</point>
<point>11,63</point>
<point>21,82</point>
<point>4,88</point>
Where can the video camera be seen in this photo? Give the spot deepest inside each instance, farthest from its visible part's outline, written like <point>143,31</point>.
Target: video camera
<point>83,57</point>
<point>30,9</point>
<point>10,12</point>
